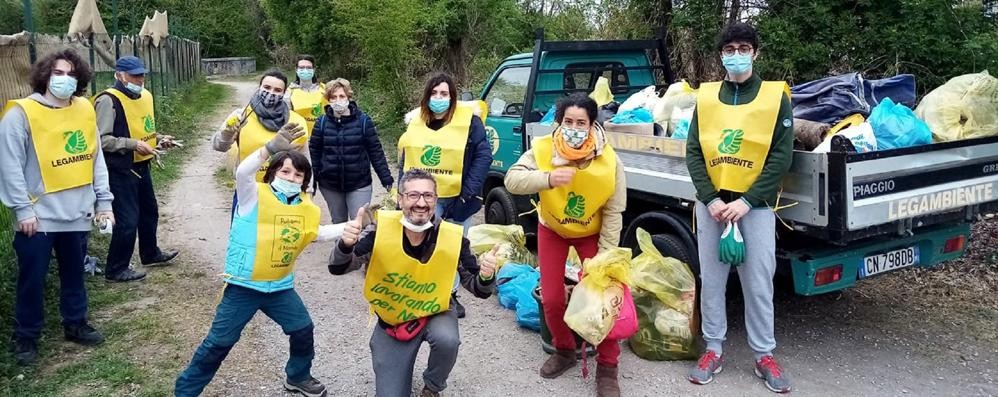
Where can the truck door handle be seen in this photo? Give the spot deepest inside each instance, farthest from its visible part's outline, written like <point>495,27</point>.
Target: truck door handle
<point>517,129</point>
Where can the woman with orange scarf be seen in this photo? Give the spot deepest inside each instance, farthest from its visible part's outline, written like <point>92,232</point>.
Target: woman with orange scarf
<point>582,192</point>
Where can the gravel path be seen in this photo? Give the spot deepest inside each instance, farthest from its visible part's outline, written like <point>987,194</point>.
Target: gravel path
<point>842,344</point>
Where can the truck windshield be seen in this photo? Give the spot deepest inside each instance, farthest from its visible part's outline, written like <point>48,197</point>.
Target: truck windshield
<point>583,76</point>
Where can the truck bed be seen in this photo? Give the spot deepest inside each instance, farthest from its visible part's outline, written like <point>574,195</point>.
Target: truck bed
<point>840,197</point>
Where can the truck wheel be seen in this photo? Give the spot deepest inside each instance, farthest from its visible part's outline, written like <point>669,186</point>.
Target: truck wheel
<point>670,245</point>
<point>499,208</point>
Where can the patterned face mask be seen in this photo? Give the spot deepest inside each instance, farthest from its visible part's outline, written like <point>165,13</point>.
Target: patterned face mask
<point>574,137</point>
<point>269,99</point>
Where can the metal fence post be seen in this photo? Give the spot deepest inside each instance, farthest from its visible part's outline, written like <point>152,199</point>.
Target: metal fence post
<point>93,64</point>
<point>29,25</point>
<point>117,34</point>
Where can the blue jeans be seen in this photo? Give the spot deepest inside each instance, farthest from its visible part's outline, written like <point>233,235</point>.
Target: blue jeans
<point>445,203</point>
<point>238,306</point>
<point>136,213</point>
<point>33,255</point>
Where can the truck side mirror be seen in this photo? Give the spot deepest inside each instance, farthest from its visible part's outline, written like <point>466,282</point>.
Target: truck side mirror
<point>467,96</point>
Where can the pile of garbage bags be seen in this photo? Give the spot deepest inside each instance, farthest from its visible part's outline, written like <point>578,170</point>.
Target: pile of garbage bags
<point>648,300</point>
<point>671,112</point>
<point>867,115</point>
<point>871,115</point>
<point>517,275</point>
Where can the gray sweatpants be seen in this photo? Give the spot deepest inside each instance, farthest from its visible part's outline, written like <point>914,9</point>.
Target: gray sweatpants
<point>343,206</point>
<point>758,228</point>
<point>394,360</point>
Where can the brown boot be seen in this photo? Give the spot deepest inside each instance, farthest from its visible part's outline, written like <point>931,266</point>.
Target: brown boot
<point>559,362</point>
<point>606,382</point>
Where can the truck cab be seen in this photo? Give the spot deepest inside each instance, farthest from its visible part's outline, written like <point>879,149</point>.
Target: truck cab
<point>562,68</point>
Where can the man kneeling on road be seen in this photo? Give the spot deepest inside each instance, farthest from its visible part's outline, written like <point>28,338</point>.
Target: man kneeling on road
<point>415,261</point>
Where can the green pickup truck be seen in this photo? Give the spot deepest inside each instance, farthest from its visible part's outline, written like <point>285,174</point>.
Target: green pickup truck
<point>857,215</point>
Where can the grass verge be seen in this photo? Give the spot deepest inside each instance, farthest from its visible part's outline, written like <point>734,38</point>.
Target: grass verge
<point>122,365</point>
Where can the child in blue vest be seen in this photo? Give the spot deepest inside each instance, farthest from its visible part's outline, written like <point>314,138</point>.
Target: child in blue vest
<point>273,222</point>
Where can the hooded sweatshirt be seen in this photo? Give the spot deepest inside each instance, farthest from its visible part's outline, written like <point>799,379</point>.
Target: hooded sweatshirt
<point>69,210</point>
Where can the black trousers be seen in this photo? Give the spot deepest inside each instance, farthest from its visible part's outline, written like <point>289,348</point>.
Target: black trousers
<point>136,212</point>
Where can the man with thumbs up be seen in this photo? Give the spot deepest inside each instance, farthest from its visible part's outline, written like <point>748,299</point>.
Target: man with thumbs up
<point>417,261</point>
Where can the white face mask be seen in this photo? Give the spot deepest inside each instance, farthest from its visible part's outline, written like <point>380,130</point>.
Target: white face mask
<point>416,228</point>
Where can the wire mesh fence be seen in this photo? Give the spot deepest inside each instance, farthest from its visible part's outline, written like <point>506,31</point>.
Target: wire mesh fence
<point>172,63</point>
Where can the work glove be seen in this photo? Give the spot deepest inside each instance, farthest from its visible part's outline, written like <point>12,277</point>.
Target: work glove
<point>232,126</point>
<point>282,140</point>
<point>732,245</point>
<point>165,142</point>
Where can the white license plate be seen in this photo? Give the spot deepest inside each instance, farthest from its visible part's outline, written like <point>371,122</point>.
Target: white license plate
<point>888,261</point>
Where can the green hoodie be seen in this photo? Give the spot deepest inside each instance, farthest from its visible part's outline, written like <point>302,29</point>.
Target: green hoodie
<point>763,191</point>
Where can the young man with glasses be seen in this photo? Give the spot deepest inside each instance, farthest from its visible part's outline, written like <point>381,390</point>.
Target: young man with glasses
<point>417,261</point>
<point>739,148</point>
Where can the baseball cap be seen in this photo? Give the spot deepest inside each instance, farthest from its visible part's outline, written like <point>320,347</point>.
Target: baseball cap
<point>131,65</point>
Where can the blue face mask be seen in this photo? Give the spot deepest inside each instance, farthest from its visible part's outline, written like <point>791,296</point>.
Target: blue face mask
<point>306,74</point>
<point>439,105</point>
<point>63,86</point>
<point>737,63</point>
<point>285,187</point>
<point>134,88</point>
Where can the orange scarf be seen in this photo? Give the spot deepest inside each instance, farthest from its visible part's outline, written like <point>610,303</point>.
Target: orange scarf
<point>569,153</point>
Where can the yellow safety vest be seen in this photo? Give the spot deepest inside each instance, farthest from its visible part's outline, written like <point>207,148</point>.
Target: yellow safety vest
<point>254,135</point>
<point>576,210</point>
<point>65,141</point>
<point>441,152</point>
<point>401,288</point>
<point>139,114</point>
<point>283,230</point>
<point>735,139</point>
<point>309,105</point>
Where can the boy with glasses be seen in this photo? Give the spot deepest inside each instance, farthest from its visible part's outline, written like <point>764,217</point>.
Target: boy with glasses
<point>739,148</point>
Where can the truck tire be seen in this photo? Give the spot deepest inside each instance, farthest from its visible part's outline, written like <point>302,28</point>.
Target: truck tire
<point>670,245</point>
<point>499,208</point>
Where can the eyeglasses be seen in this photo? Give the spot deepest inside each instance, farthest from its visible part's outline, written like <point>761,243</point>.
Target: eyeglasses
<point>414,196</point>
<point>741,50</point>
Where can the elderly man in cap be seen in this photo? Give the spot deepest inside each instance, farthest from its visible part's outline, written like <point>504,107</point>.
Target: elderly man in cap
<point>127,129</point>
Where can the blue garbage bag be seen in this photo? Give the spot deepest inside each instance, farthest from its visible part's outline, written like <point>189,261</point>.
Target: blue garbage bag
<point>682,130</point>
<point>896,126</point>
<point>831,99</point>
<point>548,118</point>
<point>515,287</point>
<point>633,116</point>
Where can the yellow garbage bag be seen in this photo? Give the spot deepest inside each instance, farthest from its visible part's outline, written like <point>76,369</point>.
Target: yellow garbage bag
<point>664,291</point>
<point>680,95</point>
<point>511,241</point>
<point>965,107</point>
<point>601,92</point>
<point>597,300</point>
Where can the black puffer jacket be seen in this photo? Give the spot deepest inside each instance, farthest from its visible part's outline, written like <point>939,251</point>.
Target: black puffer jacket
<point>344,149</point>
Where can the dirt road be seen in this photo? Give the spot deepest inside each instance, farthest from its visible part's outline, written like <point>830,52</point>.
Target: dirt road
<point>849,344</point>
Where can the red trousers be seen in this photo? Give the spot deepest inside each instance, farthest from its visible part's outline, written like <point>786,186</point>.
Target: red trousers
<point>552,252</point>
